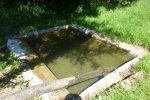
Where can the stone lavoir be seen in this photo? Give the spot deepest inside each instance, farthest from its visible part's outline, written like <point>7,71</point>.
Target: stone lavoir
<point>72,50</point>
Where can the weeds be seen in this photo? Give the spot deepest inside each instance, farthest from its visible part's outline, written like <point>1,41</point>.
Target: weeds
<point>9,61</point>
<point>24,84</point>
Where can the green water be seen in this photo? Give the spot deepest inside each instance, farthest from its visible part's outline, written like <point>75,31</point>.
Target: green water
<point>70,53</point>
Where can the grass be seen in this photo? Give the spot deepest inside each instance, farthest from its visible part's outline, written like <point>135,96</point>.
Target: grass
<point>144,64</point>
<point>129,24</point>
<point>12,63</point>
<point>118,93</point>
<point>9,61</point>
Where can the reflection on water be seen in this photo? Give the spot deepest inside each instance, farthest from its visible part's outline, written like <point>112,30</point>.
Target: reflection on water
<point>70,52</point>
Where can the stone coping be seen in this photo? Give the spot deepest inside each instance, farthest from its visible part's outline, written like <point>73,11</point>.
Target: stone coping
<point>40,73</point>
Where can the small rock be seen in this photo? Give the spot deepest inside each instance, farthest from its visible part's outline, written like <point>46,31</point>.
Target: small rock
<point>128,85</point>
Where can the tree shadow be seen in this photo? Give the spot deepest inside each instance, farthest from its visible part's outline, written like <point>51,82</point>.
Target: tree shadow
<point>28,15</point>
<point>72,45</point>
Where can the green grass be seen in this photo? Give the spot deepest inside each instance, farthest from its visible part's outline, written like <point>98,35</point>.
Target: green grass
<point>144,64</point>
<point>129,24</point>
<point>12,63</point>
<point>118,93</point>
<point>9,61</point>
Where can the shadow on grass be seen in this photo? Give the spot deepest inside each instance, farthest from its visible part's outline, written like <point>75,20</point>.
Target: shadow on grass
<point>22,17</point>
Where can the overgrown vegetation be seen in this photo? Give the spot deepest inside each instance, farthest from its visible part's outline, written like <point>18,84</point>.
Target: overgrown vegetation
<point>9,61</point>
<point>10,68</point>
<point>123,20</point>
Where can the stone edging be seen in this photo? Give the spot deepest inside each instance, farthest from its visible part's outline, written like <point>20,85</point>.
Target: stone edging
<point>21,50</point>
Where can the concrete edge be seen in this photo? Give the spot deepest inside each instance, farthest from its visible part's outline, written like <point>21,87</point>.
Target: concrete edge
<point>136,51</point>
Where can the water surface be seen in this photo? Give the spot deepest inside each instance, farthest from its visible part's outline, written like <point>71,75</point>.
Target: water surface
<point>70,53</point>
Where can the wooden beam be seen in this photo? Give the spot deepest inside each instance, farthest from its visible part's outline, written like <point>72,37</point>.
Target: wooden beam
<point>49,87</point>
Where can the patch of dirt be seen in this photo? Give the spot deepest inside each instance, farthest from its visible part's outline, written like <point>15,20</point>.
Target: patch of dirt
<point>11,85</point>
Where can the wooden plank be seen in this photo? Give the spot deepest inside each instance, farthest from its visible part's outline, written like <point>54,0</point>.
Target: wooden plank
<point>49,87</point>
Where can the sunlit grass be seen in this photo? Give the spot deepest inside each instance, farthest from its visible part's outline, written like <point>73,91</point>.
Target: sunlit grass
<point>130,24</point>
<point>144,64</point>
<point>118,93</point>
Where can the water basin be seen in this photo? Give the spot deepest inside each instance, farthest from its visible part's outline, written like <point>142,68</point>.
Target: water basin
<point>70,52</point>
